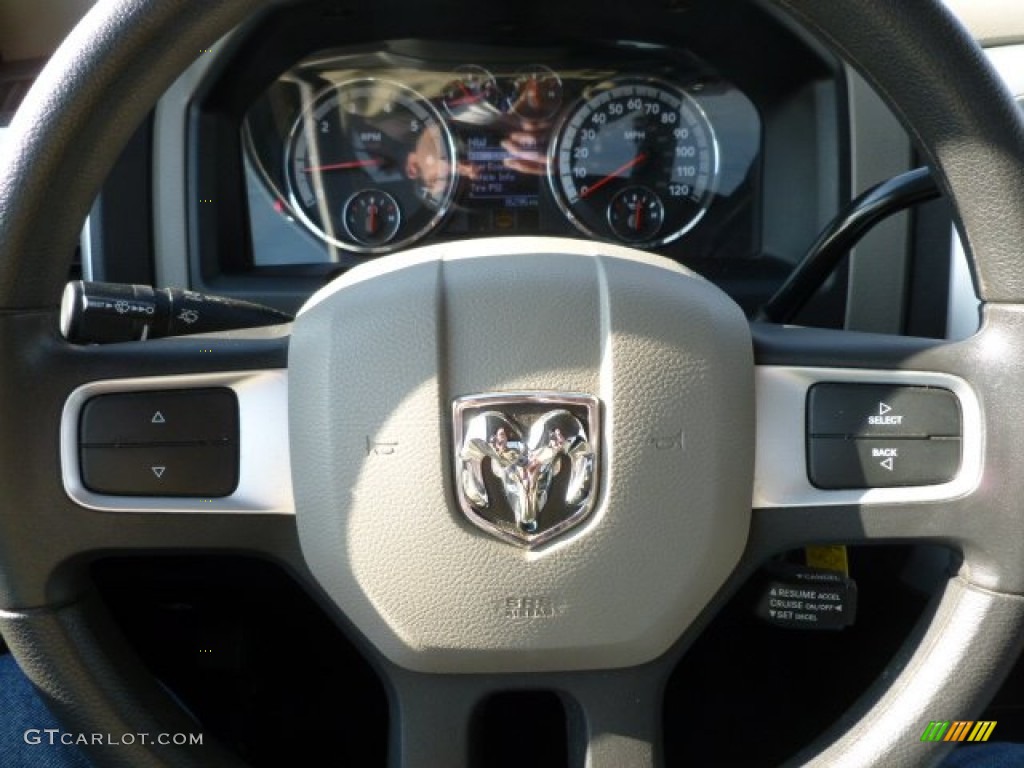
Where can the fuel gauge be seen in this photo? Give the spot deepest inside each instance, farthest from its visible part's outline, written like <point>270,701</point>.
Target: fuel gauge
<point>636,214</point>
<point>472,88</point>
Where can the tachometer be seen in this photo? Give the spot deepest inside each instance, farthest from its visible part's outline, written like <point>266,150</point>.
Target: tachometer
<point>370,166</point>
<point>636,162</point>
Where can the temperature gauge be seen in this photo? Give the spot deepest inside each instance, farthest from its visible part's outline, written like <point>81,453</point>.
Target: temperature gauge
<point>537,93</point>
<point>372,217</point>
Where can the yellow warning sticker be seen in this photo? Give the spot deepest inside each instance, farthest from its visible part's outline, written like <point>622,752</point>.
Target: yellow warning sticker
<point>830,558</point>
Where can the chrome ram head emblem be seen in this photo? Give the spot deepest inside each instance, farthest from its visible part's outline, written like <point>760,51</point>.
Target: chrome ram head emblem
<point>526,464</point>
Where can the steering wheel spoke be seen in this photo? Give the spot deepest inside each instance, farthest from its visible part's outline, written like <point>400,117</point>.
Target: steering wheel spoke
<point>431,719</point>
<point>911,474</point>
<point>612,717</point>
<point>133,441</point>
<point>620,715</point>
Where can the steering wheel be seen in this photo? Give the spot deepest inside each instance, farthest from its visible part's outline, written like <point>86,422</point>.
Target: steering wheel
<point>599,612</point>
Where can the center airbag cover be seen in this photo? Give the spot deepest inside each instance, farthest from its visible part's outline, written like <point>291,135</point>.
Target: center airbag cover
<point>377,360</point>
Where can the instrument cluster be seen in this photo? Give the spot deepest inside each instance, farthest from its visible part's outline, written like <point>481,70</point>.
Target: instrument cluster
<point>369,153</point>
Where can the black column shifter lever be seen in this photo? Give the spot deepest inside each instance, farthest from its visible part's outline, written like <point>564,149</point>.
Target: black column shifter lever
<point>101,313</point>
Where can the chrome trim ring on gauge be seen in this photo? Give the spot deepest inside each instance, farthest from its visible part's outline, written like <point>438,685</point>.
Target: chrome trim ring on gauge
<point>370,136</point>
<point>635,134</point>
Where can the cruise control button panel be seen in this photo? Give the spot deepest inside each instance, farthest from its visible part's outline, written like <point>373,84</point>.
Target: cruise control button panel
<point>881,436</point>
<point>161,443</point>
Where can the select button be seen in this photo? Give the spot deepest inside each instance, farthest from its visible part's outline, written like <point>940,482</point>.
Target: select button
<point>838,463</point>
<point>881,410</point>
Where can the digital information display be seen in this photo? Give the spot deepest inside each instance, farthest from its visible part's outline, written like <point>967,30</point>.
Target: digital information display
<point>491,183</point>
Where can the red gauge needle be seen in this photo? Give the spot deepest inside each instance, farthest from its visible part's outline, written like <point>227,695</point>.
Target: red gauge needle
<point>344,166</point>
<point>533,94</point>
<point>371,225</point>
<point>614,174</point>
<point>639,216</point>
<point>468,99</point>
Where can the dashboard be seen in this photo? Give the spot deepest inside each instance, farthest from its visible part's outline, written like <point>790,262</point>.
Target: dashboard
<point>781,140</point>
<point>294,150</point>
<point>351,156</point>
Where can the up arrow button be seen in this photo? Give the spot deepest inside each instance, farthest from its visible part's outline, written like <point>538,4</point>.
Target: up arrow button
<point>167,417</point>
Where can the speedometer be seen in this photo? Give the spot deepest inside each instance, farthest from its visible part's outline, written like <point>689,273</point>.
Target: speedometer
<point>637,161</point>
